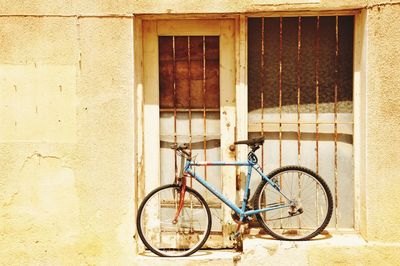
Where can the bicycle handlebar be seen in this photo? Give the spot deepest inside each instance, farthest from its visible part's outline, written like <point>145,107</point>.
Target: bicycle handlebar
<point>253,143</point>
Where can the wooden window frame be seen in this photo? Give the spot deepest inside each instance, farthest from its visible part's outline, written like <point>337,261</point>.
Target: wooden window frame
<point>147,100</point>
<point>241,86</point>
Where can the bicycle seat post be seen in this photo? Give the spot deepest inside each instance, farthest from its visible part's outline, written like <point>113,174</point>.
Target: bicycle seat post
<point>182,166</point>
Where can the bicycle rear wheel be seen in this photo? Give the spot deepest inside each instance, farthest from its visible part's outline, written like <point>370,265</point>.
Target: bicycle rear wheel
<point>160,234</point>
<point>310,212</point>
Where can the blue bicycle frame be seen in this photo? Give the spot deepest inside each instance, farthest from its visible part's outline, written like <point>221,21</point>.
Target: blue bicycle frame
<point>250,166</point>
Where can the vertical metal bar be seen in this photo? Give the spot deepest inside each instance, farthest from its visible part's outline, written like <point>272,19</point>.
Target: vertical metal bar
<point>174,99</point>
<point>317,108</point>
<point>317,94</point>
<point>335,126</point>
<point>298,68</point>
<point>262,86</point>
<point>204,107</point>
<point>190,99</point>
<point>262,68</point>
<point>280,104</point>
<point>280,90</point>
<point>190,123</point>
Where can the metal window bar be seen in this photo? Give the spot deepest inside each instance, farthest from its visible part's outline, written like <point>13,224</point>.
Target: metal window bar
<point>190,99</point>
<point>280,106</point>
<point>280,90</point>
<point>335,118</point>
<point>298,73</point>
<point>317,52</point>
<point>204,107</point>
<point>185,101</point>
<point>193,107</point>
<point>320,123</point>
<point>174,86</point>
<point>317,43</point>
<point>298,105</point>
<point>262,86</point>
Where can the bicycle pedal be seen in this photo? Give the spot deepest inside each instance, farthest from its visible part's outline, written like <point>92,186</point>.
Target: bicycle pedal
<point>234,236</point>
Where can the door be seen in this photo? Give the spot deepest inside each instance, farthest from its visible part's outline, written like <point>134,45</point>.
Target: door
<point>189,97</point>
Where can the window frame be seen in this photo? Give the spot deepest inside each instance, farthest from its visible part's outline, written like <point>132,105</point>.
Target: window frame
<point>241,86</point>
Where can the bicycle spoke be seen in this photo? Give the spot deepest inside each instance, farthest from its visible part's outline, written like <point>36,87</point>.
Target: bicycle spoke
<point>311,207</point>
<point>162,235</point>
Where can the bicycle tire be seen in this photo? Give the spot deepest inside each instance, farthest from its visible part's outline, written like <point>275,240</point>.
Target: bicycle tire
<point>174,251</point>
<point>274,224</point>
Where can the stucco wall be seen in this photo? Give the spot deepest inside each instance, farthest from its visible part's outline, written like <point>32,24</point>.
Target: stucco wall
<point>66,140</point>
<point>67,131</point>
<point>383,123</point>
<point>96,7</point>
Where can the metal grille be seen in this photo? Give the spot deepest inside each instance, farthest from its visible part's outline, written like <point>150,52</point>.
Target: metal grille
<point>190,107</point>
<point>300,98</point>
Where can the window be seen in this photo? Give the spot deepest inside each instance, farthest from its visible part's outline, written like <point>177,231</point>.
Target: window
<point>190,108</point>
<point>300,96</point>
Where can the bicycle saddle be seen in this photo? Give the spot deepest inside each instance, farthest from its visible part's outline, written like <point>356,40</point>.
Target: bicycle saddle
<point>179,147</point>
<point>251,142</point>
<point>182,148</point>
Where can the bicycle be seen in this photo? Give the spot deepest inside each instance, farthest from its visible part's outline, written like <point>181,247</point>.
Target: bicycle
<point>174,220</point>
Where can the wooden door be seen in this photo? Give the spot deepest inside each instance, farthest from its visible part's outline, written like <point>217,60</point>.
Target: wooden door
<point>189,97</point>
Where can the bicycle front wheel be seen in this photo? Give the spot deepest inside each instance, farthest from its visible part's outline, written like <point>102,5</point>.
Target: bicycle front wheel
<point>311,204</point>
<point>159,233</point>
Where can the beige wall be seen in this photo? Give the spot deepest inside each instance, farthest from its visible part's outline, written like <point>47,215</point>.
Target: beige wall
<point>67,125</point>
<point>66,154</point>
<point>383,123</point>
<point>98,7</point>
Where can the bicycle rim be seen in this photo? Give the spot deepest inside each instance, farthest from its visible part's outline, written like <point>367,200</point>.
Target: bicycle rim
<point>310,213</point>
<point>161,235</point>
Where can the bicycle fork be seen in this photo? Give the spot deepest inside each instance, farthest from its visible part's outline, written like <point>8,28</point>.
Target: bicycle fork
<point>181,197</point>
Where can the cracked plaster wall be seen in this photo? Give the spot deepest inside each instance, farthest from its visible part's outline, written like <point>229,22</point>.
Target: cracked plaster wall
<point>66,153</point>
<point>66,140</point>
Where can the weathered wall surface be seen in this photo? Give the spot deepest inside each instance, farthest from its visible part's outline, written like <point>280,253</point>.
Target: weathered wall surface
<point>66,147</point>
<point>104,162</point>
<point>74,7</point>
<point>67,136</point>
<point>39,198</point>
<point>383,123</point>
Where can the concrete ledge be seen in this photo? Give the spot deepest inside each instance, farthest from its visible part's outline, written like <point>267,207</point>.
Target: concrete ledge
<point>274,252</point>
<point>339,249</point>
<point>203,257</point>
